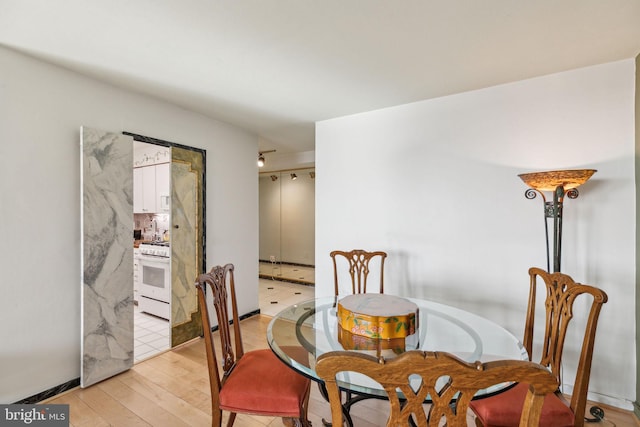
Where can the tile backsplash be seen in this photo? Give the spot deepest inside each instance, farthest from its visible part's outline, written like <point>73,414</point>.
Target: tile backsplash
<point>152,225</point>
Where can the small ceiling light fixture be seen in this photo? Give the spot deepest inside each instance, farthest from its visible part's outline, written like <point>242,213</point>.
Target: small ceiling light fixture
<point>294,176</point>
<point>560,183</point>
<point>261,154</point>
<point>274,178</point>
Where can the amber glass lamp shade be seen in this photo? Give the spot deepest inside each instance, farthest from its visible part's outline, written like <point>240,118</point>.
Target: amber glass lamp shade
<point>550,180</point>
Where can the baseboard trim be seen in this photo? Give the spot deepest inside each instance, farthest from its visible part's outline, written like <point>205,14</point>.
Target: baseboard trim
<point>53,391</point>
<point>250,314</point>
<point>283,279</point>
<point>242,317</point>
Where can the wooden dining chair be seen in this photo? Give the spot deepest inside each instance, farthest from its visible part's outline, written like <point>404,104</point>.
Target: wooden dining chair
<point>449,382</point>
<point>255,382</point>
<point>561,293</point>
<point>358,261</point>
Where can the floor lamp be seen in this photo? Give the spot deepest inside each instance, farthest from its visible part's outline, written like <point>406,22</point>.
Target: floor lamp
<point>559,183</point>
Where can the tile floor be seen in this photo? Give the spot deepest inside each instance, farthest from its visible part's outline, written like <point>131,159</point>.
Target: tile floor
<point>284,285</point>
<point>281,285</point>
<point>150,335</point>
<point>276,295</point>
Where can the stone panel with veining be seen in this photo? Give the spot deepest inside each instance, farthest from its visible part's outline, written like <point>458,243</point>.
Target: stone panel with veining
<point>107,259</point>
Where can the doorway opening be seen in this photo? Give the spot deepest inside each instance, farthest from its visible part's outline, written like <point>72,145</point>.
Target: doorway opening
<point>287,237</point>
<point>152,249</point>
<point>287,225</point>
<point>171,246</point>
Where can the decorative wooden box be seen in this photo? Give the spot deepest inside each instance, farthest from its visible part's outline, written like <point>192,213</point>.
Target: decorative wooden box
<point>375,317</point>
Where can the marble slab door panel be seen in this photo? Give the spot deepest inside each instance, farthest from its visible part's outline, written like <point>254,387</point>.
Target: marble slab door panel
<point>107,254</point>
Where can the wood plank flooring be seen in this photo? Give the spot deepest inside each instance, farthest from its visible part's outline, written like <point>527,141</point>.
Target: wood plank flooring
<point>172,390</point>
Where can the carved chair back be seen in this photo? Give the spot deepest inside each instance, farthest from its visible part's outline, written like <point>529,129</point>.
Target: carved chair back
<point>449,382</point>
<point>358,261</point>
<point>216,282</point>
<point>561,293</point>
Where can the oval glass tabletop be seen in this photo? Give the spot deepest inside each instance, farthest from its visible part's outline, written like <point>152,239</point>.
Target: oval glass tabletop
<point>302,332</point>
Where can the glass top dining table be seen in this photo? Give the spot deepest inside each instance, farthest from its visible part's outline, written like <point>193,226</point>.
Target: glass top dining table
<point>299,334</point>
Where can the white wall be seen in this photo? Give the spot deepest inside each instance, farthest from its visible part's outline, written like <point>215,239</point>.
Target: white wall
<point>41,110</point>
<point>437,188</point>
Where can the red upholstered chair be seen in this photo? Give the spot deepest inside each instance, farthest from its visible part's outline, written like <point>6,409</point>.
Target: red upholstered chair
<point>561,292</point>
<point>358,262</point>
<point>441,376</point>
<point>255,382</point>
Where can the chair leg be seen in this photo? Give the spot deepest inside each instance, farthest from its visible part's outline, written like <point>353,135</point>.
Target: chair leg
<point>303,421</point>
<point>216,418</point>
<point>232,418</point>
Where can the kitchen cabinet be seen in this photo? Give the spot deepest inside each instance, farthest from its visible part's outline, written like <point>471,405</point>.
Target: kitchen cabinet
<point>163,199</point>
<point>137,190</point>
<point>151,189</point>
<point>144,189</point>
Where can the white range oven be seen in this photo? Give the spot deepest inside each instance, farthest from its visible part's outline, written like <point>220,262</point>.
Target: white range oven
<point>155,279</point>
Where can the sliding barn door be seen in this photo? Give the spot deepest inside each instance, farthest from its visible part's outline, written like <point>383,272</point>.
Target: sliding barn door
<point>187,241</point>
<point>107,254</point>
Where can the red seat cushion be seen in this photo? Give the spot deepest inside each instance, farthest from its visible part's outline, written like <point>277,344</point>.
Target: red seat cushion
<point>504,409</point>
<point>262,384</point>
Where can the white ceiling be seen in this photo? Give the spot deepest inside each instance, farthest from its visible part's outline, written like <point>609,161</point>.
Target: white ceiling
<point>275,67</point>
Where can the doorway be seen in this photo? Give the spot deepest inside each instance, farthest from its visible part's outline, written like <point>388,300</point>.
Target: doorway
<point>152,250</point>
<point>184,233</point>
<point>287,225</point>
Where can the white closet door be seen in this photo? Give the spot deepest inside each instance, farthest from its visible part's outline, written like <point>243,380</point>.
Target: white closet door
<point>107,254</point>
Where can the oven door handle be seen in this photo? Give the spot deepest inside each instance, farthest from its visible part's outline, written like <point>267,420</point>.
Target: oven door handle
<point>152,258</point>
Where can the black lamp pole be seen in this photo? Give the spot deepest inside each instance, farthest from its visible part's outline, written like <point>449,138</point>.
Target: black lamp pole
<point>553,210</point>
<point>555,181</point>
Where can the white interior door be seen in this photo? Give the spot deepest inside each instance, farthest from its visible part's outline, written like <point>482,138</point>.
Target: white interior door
<point>107,254</point>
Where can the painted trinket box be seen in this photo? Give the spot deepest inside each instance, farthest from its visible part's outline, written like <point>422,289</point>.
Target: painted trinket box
<point>376,316</point>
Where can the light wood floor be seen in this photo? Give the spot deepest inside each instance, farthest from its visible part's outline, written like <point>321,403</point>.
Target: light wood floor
<point>172,389</point>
